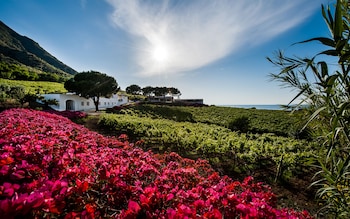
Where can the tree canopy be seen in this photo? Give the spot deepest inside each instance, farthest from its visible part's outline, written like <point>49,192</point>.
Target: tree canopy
<point>160,91</point>
<point>133,89</point>
<point>92,84</point>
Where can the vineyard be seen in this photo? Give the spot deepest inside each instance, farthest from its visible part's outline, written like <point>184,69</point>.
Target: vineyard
<point>228,151</point>
<point>281,123</point>
<point>34,87</point>
<point>53,168</point>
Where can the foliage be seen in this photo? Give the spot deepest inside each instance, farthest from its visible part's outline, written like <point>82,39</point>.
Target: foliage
<point>160,91</point>
<point>328,94</point>
<point>133,89</point>
<point>72,115</point>
<point>53,168</point>
<point>32,98</point>
<point>22,50</point>
<point>147,91</point>
<point>223,148</point>
<point>239,124</point>
<point>92,84</point>
<point>279,122</point>
<point>11,92</point>
<point>36,87</point>
<point>15,96</point>
<point>21,72</point>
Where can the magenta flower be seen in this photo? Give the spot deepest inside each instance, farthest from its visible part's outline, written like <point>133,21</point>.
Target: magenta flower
<point>51,167</point>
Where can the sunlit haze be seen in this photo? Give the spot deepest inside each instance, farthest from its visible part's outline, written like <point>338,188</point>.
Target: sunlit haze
<point>215,50</point>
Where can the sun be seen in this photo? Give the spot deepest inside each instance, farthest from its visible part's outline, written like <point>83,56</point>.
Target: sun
<point>160,54</point>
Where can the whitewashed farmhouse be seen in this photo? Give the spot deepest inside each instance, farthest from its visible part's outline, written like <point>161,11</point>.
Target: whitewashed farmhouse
<point>73,102</point>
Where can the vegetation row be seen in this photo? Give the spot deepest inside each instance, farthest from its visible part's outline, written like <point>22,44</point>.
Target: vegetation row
<point>21,72</point>
<point>36,87</point>
<point>232,151</point>
<point>53,168</point>
<point>279,122</point>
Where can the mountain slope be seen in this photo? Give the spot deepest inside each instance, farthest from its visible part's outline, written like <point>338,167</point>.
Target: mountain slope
<point>18,49</point>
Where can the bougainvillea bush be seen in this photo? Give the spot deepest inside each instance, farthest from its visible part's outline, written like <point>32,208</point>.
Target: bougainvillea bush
<point>72,115</point>
<point>51,167</point>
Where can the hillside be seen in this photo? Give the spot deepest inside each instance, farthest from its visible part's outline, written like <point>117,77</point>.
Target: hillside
<point>18,49</point>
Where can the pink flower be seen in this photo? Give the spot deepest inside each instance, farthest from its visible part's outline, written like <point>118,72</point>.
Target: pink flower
<point>72,215</point>
<point>213,214</point>
<point>123,137</point>
<point>144,200</point>
<point>5,206</point>
<point>170,196</point>
<point>4,170</point>
<point>35,199</point>
<point>8,189</point>
<point>47,161</point>
<point>134,207</point>
<point>242,209</point>
<point>170,213</point>
<point>198,204</point>
<point>185,210</point>
<point>18,175</point>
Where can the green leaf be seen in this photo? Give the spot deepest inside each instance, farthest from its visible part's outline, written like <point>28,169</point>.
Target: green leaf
<point>314,115</point>
<point>324,69</point>
<point>324,40</point>
<point>338,22</point>
<point>331,52</point>
<point>327,17</point>
<point>298,95</point>
<point>330,80</point>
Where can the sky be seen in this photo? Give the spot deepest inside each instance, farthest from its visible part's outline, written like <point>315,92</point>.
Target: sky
<point>213,50</point>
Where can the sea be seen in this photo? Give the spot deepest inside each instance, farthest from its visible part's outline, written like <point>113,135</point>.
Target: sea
<point>264,107</point>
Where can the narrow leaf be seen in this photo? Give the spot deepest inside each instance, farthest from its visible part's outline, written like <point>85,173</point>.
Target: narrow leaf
<point>324,40</point>
<point>338,22</point>
<point>331,52</point>
<point>313,116</point>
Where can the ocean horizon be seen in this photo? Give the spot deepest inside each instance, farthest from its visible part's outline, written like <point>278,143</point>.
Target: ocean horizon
<point>256,106</point>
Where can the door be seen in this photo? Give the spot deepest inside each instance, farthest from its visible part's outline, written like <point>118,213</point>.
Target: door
<point>70,105</point>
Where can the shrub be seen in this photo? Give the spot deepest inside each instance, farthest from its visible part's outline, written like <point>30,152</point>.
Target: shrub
<point>241,124</point>
<point>72,115</point>
<point>53,168</point>
<point>327,93</point>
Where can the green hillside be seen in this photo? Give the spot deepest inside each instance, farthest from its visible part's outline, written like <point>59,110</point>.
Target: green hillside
<point>18,49</point>
<point>34,87</point>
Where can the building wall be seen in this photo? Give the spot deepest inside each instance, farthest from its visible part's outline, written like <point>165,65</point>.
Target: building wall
<point>76,103</point>
<point>162,99</point>
<point>190,101</point>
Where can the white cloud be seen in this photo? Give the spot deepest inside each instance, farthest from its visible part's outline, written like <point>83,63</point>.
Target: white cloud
<point>195,33</point>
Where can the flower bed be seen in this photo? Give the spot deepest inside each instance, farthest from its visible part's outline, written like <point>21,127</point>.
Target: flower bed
<point>51,167</point>
<point>69,114</point>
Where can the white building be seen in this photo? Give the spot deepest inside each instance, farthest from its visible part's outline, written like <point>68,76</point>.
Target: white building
<point>73,102</point>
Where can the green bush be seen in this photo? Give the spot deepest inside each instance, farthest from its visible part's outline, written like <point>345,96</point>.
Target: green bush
<point>241,124</point>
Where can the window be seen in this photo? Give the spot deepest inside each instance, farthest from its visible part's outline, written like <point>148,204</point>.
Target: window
<point>87,103</point>
<point>82,103</point>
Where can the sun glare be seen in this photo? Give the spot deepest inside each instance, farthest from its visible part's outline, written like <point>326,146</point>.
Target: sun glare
<point>160,54</point>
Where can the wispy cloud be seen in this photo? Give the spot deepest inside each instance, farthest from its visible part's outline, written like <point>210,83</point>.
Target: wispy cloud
<point>198,32</point>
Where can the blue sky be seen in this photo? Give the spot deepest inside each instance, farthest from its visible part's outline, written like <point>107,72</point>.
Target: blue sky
<point>215,50</point>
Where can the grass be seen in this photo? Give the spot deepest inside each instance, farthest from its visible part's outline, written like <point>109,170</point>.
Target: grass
<point>41,87</point>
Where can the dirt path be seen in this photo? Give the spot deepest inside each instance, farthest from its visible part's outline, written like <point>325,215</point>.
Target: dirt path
<point>92,123</point>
